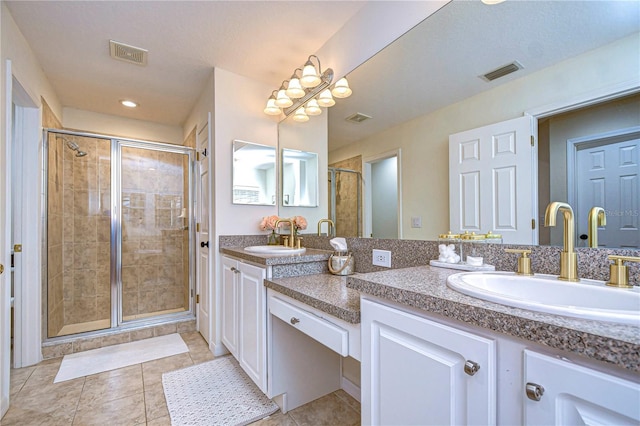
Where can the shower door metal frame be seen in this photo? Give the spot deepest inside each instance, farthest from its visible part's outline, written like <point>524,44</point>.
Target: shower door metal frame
<point>115,253</point>
<point>116,226</point>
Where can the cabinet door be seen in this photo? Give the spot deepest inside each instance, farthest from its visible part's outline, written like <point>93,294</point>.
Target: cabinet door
<point>252,293</point>
<point>574,394</point>
<point>229,305</point>
<point>413,371</point>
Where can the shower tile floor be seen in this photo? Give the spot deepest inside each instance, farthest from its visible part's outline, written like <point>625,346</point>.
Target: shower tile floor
<point>134,396</point>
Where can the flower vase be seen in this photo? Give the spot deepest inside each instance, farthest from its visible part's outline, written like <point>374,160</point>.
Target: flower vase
<point>273,239</point>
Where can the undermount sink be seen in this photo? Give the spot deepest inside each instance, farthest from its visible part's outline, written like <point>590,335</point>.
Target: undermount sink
<point>588,299</point>
<point>281,250</point>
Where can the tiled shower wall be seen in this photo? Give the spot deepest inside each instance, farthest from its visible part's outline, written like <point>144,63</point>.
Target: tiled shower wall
<point>86,230</point>
<point>347,219</point>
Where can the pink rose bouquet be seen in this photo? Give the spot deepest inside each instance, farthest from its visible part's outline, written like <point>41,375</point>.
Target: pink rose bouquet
<point>268,223</point>
<point>299,222</point>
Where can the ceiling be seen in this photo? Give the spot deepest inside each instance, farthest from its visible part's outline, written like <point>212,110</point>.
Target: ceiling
<point>435,64</point>
<point>263,40</point>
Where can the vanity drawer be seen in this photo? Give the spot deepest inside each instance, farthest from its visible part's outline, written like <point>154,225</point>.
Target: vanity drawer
<point>330,335</point>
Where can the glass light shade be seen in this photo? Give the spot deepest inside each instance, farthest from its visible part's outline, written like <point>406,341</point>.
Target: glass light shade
<point>294,90</point>
<point>283,100</point>
<point>310,77</point>
<point>313,108</point>
<point>341,89</point>
<point>272,108</point>
<point>300,116</point>
<point>325,99</point>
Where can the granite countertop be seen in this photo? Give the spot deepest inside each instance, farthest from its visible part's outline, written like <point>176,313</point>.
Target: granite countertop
<point>326,292</point>
<point>310,255</point>
<point>424,287</point>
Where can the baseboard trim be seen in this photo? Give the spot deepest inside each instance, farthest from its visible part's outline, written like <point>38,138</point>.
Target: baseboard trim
<point>351,388</point>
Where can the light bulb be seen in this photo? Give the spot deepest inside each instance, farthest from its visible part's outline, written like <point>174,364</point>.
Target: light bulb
<point>283,100</point>
<point>310,77</point>
<point>300,116</point>
<point>272,108</point>
<point>294,90</point>
<point>341,89</point>
<point>325,99</point>
<point>313,108</point>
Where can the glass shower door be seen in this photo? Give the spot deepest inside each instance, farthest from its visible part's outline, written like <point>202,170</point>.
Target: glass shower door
<point>154,233</point>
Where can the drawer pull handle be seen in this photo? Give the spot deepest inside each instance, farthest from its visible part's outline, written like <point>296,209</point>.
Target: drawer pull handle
<point>534,391</point>
<point>471,367</point>
<point>294,320</point>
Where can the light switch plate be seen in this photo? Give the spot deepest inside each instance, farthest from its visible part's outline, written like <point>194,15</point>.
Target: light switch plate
<point>416,222</point>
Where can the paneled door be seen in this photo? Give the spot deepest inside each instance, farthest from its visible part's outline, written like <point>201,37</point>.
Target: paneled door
<point>607,176</point>
<point>492,183</point>
<point>203,298</point>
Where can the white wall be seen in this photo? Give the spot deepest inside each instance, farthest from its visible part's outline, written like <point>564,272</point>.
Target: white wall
<point>94,122</point>
<point>424,140</point>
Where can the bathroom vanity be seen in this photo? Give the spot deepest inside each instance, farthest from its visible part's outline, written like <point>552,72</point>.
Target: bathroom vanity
<point>432,355</point>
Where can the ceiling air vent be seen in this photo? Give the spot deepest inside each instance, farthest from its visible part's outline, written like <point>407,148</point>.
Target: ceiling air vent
<point>502,71</point>
<point>358,117</point>
<point>124,52</point>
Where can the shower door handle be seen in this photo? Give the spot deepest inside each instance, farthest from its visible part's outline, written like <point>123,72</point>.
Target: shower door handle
<point>204,244</point>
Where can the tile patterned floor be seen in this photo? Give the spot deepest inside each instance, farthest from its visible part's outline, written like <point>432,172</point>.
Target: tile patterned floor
<point>134,396</point>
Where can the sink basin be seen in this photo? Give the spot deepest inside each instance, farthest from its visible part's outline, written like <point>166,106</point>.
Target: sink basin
<point>281,250</point>
<point>588,299</point>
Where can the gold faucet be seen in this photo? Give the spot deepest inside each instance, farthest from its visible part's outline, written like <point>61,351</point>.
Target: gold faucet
<point>618,271</point>
<point>331,228</point>
<point>597,217</point>
<point>568,257</point>
<point>292,236</point>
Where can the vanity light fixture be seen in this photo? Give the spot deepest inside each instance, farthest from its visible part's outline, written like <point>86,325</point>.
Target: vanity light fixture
<point>492,2</point>
<point>306,92</point>
<point>128,103</point>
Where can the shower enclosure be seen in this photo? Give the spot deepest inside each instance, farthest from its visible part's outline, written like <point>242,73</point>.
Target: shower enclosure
<point>118,221</point>
<point>345,201</point>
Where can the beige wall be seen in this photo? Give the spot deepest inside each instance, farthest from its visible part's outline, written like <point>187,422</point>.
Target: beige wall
<point>424,140</point>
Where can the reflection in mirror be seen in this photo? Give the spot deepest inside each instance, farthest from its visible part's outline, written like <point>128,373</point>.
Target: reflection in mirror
<point>254,173</point>
<point>561,68</point>
<point>299,178</point>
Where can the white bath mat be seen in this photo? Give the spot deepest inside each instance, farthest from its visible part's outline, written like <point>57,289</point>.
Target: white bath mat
<point>217,392</point>
<point>118,356</point>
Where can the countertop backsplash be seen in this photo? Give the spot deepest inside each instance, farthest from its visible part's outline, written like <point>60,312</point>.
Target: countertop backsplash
<point>592,262</point>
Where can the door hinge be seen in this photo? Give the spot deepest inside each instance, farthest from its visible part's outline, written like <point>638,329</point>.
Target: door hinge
<point>533,141</point>
<point>197,298</point>
<point>197,227</point>
<point>197,156</point>
<point>204,152</point>
<point>533,224</point>
<point>17,248</point>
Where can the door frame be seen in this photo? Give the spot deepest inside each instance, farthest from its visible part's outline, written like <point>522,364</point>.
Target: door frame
<point>366,182</point>
<point>573,145</point>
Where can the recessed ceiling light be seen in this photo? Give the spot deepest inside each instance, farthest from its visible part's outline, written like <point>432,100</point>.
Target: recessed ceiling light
<point>128,104</point>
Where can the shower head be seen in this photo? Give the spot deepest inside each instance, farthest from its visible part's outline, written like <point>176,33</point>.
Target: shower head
<point>74,147</point>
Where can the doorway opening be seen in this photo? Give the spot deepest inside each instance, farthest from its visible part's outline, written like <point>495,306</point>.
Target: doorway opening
<point>383,195</point>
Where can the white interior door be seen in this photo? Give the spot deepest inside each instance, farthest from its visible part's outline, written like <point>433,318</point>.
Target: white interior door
<point>203,307</point>
<point>492,181</point>
<point>607,176</point>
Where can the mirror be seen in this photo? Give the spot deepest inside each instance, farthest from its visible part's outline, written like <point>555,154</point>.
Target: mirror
<point>441,59</point>
<point>299,178</point>
<point>254,173</point>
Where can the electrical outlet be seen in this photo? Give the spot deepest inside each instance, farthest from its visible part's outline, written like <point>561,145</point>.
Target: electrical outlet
<point>416,222</point>
<point>382,258</point>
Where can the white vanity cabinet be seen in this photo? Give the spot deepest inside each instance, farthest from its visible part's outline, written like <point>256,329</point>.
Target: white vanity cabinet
<point>418,371</point>
<point>559,392</point>
<point>244,315</point>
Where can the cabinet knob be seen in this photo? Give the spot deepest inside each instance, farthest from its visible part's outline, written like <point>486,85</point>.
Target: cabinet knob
<point>534,391</point>
<point>471,367</point>
<point>294,320</point>
<point>234,269</point>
